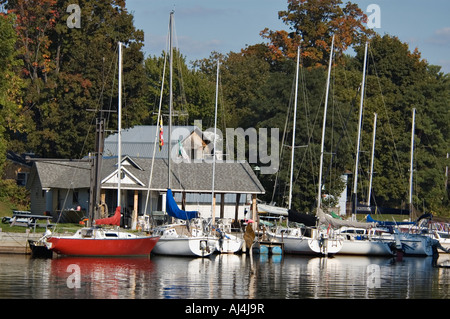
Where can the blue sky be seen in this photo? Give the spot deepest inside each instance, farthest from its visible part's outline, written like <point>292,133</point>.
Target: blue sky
<point>203,26</point>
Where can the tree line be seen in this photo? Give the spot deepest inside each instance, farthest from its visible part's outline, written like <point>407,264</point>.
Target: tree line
<point>53,75</point>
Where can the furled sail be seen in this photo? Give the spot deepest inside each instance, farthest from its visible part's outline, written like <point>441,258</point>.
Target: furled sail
<point>174,211</point>
<point>327,219</point>
<point>113,220</point>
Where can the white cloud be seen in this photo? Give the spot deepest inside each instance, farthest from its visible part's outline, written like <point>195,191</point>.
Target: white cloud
<point>440,37</point>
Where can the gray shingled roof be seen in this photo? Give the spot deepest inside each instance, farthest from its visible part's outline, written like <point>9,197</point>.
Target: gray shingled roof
<point>139,141</point>
<point>235,177</point>
<point>63,174</point>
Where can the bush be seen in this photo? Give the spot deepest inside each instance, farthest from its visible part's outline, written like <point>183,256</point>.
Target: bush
<point>17,195</point>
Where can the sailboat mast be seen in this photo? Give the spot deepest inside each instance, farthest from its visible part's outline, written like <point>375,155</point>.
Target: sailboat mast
<point>411,167</point>
<point>371,161</point>
<point>361,102</point>
<point>119,129</point>
<point>291,186</point>
<point>96,168</point>
<point>213,201</point>
<point>319,193</point>
<point>170,96</point>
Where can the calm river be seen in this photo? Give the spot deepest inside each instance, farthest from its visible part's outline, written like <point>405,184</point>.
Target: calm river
<point>236,277</point>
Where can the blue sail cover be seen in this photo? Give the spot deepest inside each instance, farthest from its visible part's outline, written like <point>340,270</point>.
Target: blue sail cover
<point>174,211</point>
<point>369,219</point>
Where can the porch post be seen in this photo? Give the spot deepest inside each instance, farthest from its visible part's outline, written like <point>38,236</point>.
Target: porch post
<point>135,210</point>
<point>254,214</point>
<point>236,210</point>
<point>222,205</point>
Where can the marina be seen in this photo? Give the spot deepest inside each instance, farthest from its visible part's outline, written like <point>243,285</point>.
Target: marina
<point>224,276</point>
<point>163,208</point>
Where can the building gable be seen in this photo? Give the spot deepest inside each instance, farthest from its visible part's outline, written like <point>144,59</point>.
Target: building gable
<point>127,178</point>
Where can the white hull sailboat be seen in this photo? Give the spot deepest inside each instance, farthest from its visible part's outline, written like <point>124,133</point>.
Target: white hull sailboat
<point>180,240</point>
<point>186,238</point>
<point>408,243</point>
<point>366,247</point>
<point>231,244</point>
<point>295,242</point>
<point>416,244</point>
<point>319,240</point>
<point>226,243</point>
<point>360,241</point>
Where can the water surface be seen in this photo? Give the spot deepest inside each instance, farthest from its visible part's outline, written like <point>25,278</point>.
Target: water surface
<point>223,277</point>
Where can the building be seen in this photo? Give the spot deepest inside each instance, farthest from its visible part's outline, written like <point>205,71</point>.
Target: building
<point>141,141</point>
<point>57,186</point>
<point>17,167</point>
<point>63,186</point>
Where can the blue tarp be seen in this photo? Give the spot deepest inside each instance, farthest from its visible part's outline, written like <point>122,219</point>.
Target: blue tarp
<point>174,211</point>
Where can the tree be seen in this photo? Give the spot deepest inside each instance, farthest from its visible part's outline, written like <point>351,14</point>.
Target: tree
<point>398,81</point>
<point>70,70</point>
<point>312,24</point>
<point>193,91</point>
<point>10,86</point>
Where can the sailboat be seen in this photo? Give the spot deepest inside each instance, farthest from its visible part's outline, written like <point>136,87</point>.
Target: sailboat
<point>227,243</point>
<point>408,243</point>
<point>94,240</point>
<point>308,240</point>
<point>185,237</point>
<point>362,240</point>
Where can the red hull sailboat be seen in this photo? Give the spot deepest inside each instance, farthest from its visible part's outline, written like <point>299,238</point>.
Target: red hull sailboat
<point>102,245</point>
<point>96,241</point>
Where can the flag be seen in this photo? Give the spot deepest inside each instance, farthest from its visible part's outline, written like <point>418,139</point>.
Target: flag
<point>181,152</point>
<point>161,139</point>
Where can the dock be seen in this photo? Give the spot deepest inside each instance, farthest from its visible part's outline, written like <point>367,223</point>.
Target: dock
<point>17,243</point>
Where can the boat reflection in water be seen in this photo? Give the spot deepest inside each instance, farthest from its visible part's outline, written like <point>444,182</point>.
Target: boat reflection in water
<point>97,277</point>
<point>357,277</point>
<point>224,276</point>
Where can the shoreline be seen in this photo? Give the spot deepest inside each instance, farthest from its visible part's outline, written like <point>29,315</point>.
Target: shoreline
<point>17,243</point>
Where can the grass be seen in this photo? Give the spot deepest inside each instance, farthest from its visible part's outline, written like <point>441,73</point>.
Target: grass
<point>385,217</point>
<point>6,210</point>
<point>61,228</point>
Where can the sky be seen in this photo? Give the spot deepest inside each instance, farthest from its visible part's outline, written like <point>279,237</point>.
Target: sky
<point>204,26</point>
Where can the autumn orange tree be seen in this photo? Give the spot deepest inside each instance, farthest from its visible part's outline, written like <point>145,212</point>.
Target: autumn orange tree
<point>312,23</point>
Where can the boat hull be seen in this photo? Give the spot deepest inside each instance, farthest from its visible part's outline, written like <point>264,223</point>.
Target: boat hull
<point>140,246</point>
<point>302,245</point>
<point>365,248</point>
<point>185,246</point>
<point>416,245</point>
<point>229,245</point>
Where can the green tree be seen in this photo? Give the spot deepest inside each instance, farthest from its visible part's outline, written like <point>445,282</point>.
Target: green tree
<point>193,91</point>
<point>70,70</point>
<point>10,86</point>
<point>398,81</point>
